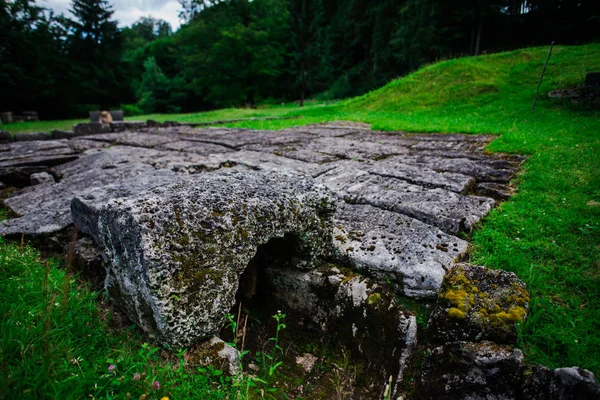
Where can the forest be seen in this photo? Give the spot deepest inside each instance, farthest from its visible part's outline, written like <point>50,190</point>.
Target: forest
<point>242,53</point>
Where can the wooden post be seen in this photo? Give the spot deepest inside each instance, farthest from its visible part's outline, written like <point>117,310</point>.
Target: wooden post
<point>537,92</point>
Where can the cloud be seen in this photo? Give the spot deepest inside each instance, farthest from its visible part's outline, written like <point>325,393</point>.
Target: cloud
<point>129,11</point>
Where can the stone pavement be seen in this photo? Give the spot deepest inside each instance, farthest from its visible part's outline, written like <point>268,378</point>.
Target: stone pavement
<point>405,201</point>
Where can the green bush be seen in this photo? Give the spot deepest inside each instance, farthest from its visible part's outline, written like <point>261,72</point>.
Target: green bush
<point>131,110</point>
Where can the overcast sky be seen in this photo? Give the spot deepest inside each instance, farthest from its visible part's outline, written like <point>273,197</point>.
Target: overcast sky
<point>129,11</point>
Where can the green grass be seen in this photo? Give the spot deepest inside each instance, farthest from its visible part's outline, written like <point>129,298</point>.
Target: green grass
<point>262,111</point>
<point>57,343</point>
<point>548,233</point>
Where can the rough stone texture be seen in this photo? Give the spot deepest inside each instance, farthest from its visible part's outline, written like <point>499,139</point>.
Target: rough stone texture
<point>411,255</point>
<point>419,175</point>
<point>356,311</point>
<point>562,383</point>
<point>91,128</point>
<point>463,370</point>
<point>484,169</point>
<point>26,158</point>
<point>41,177</point>
<point>216,353</point>
<point>444,209</point>
<point>85,256</point>
<point>176,252</point>
<point>5,137</point>
<point>434,189</point>
<point>494,190</point>
<point>60,134</point>
<point>268,162</point>
<point>27,137</point>
<point>478,303</point>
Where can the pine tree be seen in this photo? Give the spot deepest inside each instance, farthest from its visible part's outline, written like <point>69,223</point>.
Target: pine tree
<point>95,48</point>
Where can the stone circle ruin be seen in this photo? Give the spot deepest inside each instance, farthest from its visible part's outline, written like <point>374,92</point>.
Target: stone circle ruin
<point>334,223</point>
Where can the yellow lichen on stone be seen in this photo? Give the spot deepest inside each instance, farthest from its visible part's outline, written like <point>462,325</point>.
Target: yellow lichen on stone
<point>373,298</point>
<point>456,313</point>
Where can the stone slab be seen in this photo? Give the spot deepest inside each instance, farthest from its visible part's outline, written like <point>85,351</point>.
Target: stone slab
<point>175,253</point>
<point>411,255</point>
<point>444,209</point>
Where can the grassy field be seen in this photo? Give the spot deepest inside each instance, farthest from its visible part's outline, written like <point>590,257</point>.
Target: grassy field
<point>548,233</point>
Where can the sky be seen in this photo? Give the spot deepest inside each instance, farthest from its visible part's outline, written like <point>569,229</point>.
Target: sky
<point>128,11</point>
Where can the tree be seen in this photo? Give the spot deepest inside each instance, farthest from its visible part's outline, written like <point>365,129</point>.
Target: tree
<point>155,92</point>
<point>95,48</point>
<point>32,59</point>
<point>234,51</point>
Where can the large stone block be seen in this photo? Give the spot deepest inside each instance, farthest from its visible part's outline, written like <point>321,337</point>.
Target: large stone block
<point>408,253</point>
<point>486,370</point>
<point>478,303</point>
<point>361,314</point>
<point>176,252</point>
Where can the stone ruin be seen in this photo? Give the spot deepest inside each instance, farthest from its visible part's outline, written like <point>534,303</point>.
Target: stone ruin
<point>334,223</point>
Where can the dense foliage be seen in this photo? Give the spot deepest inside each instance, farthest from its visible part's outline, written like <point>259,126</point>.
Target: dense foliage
<point>240,52</point>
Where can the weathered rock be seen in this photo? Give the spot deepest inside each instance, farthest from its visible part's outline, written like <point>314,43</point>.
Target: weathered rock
<point>295,153</point>
<point>120,156</point>
<point>463,370</point>
<point>90,128</point>
<point>268,162</point>
<point>562,383</point>
<point>358,313</point>
<point>141,139</point>
<point>444,209</point>
<point>60,134</point>
<point>85,256</point>
<point>44,209</point>
<point>81,145</point>
<point>239,138</point>
<point>201,148</point>
<point>216,353</point>
<point>41,177</point>
<point>26,158</point>
<point>482,168</point>
<point>478,303</point>
<point>329,130</point>
<point>31,136</point>
<point>411,255</point>
<point>494,190</point>
<point>340,148</point>
<point>5,137</point>
<point>121,126</point>
<point>418,175</point>
<point>176,252</point>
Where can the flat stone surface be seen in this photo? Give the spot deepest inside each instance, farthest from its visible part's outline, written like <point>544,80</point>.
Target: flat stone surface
<point>449,211</point>
<point>31,136</point>
<point>176,252</point>
<point>482,168</point>
<point>340,148</point>
<point>26,158</point>
<point>428,182</point>
<point>409,254</point>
